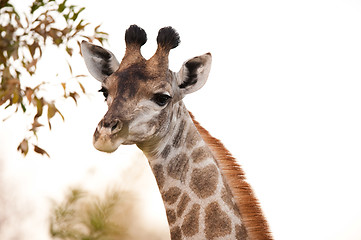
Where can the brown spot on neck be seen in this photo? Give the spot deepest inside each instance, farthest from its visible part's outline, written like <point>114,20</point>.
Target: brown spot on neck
<point>200,154</point>
<point>192,137</point>
<point>176,233</point>
<point>164,154</point>
<point>204,181</point>
<point>178,137</point>
<point>178,167</point>
<point>190,225</point>
<point>185,199</point>
<point>171,216</point>
<point>241,232</point>
<point>218,224</point>
<point>159,175</point>
<point>171,195</point>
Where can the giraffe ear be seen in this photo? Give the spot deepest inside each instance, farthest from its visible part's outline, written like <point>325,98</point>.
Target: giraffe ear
<point>100,62</point>
<point>194,73</point>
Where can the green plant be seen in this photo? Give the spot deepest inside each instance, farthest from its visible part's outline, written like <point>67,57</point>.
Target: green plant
<point>82,216</point>
<point>24,36</point>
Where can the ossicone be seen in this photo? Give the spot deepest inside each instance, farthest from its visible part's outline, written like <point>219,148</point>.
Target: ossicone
<point>135,38</point>
<point>135,35</point>
<point>168,38</point>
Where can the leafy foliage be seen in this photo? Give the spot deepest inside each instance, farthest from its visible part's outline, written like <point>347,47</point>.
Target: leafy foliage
<point>87,217</point>
<point>23,39</point>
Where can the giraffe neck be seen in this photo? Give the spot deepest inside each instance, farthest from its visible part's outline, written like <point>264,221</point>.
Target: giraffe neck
<point>199,203</point>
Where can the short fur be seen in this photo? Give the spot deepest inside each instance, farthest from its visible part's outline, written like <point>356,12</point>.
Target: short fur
<point>256,224</point>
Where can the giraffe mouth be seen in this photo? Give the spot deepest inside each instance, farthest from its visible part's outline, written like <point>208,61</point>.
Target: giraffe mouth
<point>107,144</point>
<point>108,139</point>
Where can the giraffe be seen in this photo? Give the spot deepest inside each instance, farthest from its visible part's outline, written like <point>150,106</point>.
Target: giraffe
<point>204,190</point>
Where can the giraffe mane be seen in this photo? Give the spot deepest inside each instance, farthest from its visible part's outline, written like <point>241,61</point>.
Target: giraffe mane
<point>252,216</point>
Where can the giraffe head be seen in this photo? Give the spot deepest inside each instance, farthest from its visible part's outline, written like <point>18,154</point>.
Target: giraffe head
<point>141,93</point>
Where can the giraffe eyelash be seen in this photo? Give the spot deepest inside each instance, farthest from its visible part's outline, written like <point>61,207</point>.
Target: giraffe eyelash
<point>104,91</point>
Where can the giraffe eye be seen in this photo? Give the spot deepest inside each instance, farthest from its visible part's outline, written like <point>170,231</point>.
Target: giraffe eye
<point>161,99</point>
<point>104,91</point>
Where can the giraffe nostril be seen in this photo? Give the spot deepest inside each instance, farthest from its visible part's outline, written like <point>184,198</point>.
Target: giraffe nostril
<point>114,125</point>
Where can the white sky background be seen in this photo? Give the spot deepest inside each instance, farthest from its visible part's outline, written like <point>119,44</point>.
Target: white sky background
<point>284,96</point>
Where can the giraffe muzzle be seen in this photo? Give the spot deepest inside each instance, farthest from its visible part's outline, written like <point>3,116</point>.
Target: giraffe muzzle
<point>108,135</point>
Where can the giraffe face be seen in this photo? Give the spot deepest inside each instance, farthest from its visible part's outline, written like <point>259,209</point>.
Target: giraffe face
<point>139,106</point>
<point>140,93</point>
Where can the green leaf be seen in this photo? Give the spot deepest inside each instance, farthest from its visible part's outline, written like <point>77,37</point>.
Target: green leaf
<point>39,107</point>
<point>58,41</point>
<point>69,51</point>
<point>51,113</point>
<point>96,28</point>
<point>61,7</point>
<point>36,5</point>
<point>75,16</point>
<point>16,96</point>
<point>51,110</point>
<point>23,107</point>
<point>80,26</point>
<point>10,103</point>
